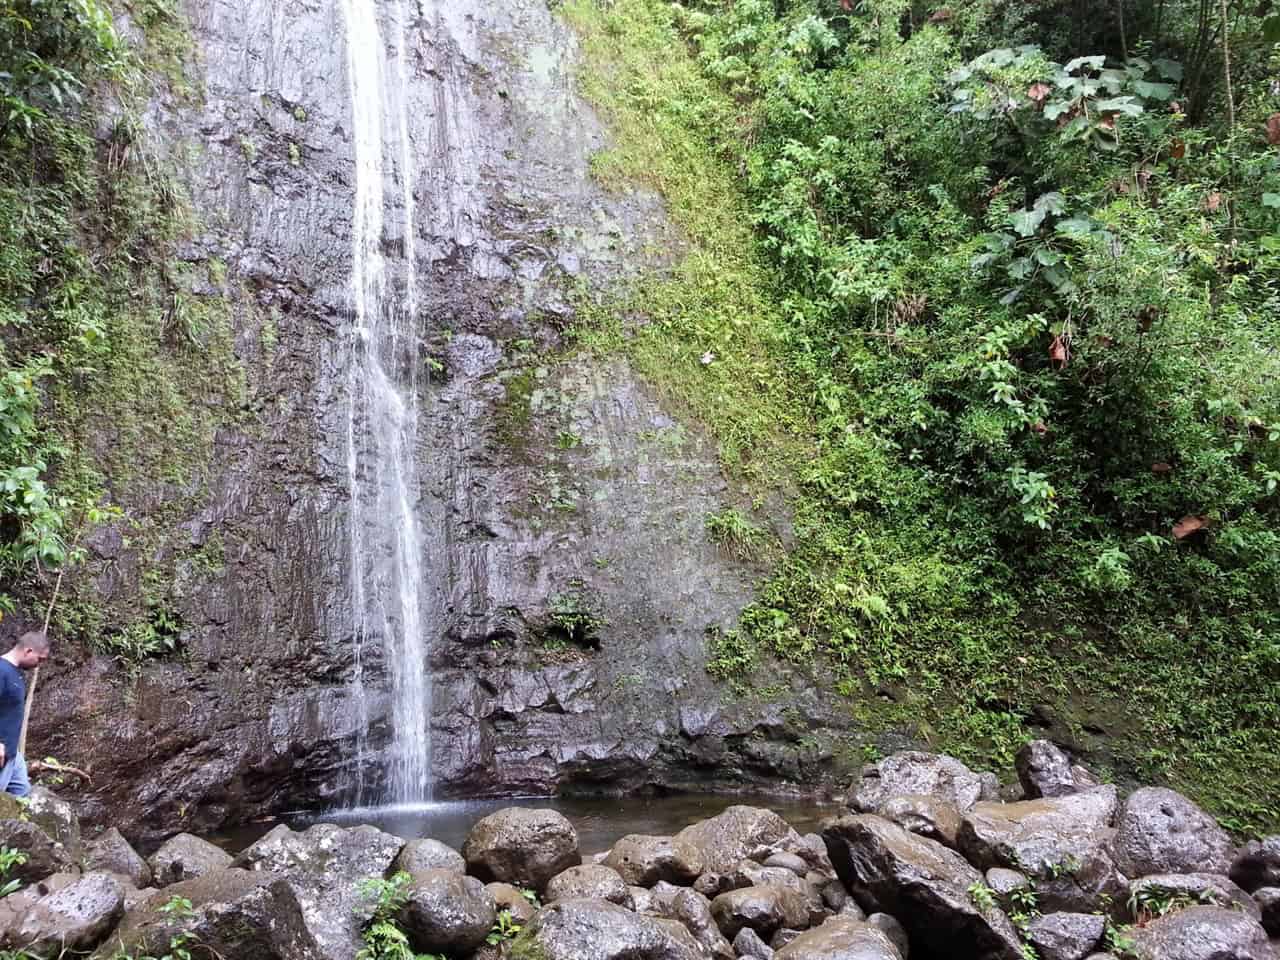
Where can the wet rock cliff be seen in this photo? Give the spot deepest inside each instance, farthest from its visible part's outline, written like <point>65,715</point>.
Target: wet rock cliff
<point>569,575</point>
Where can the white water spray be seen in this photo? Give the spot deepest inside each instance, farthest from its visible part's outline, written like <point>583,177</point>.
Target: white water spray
<point>382,426</point>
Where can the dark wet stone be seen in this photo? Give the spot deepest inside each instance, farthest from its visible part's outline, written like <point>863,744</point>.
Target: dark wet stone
<point>1202,933</point>
<point>1161,831</point>
<point>894,930</point>
<point>71,920</point>
<point>927,816</point>
<point>522,846</point>
<point>841,939</point>
<point>590,882</point>
<point>446,912</point>
<point>1044,770</point>
<point>1066,936</point>
<point>763,909</point>
<point>694,911</point>
<point>788,861</point>
<point>922,883</point>
<point>599,930</point>
<point>644,860</point>
<point>1268,900</point>
<point>748,944</point>
<point>186,857</point>
<point>929,774</point>
<point>1258,864</point>
<point>509,898</point>
<point>112,853</point>
<point>739,833</point>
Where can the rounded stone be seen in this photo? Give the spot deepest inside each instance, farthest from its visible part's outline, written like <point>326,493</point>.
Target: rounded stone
<point>186,857</point>
<point>522,846</point>
<point>446,912</point>
<point>643,860</point>
<point>427,854</point>
<point>590,880</point>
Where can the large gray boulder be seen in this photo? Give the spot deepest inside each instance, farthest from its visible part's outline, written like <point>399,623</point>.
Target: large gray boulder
<point>521,846</point>
<point>599,930</point>
<point>325,865</point>
<point>748,873</point>
<point>841,939</point>
<point>427,854</point>
<point>186,857</point>
<point>1062,842</point>
<point>763,909</point>
<point>234,913</point>
<point>1044,770</point>
<point>446,912</point>
<point>588,881</point>
<point>912,772</point>
<point>694,911</point>
<point>73,919</point>
<point>112,853</point>
<point>1041,836</point>
<point>894,930</point>
<point>44,856</point>
<point>748,944</point>
<point>1202,933</point>
<point>57,818</point>
<point>643,860</point>
<point>922,883</point>
<point>1268,900</point>
<point>923,815</point>
<point>739,833</point>
<point>1205,888</point>
<point>1161,831</point>
<point>1258,864</point>
<point>1066,936</point>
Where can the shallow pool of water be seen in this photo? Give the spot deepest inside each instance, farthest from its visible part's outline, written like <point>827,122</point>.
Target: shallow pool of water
<point>600,821</point>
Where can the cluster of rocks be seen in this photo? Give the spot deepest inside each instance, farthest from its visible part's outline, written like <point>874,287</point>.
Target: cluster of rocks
<point>929,862</point>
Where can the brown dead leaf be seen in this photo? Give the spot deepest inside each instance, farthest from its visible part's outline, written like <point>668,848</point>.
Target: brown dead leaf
<point>1177,149</point>
<point>1161,468</point>
<point>1213,202</point>
<point>1108,121</point>
<point>1059,352</point>
<point>942,15</point>
<point>1273,129</point>
<point>1039,428</point>
<point>1146,317</point>
<point>1188,526</point>
<point>1037,93</point>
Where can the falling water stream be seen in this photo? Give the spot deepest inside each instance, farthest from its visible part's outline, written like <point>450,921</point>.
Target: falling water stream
<point>382,426</point>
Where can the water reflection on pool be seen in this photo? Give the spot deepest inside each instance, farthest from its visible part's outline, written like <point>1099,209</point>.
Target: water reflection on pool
<point>600,821</point>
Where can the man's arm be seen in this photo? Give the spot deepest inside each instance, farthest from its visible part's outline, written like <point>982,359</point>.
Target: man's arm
<point>2,759</point>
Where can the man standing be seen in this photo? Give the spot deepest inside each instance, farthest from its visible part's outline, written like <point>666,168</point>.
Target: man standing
<point>31,650</point>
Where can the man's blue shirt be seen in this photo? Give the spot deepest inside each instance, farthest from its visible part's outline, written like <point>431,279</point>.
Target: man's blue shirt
<point>13,697</point>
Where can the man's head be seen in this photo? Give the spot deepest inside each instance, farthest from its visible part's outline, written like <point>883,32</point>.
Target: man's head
<point>31,650</point>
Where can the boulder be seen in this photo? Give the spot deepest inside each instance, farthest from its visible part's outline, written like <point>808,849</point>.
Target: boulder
<point>511,899</point>
<point>112,853</point>
<point>185,857</point>
<point>234,914</point>
<point>57,818</point>
<point>325,865</point>
<point>694,911</point>
<point>841,939</point>
<point>1004,882</point>
<point>427,854</point>
<point>1208,888</point>
<point>522,846</point>
<point>1268,900</point>
<point>919,774</point>
<point>894,930</point>
<point>922,883</point>
<point>1038,837</point>
<point>1044,770</point>
<point>1161,831</point>
<point>599,930</point>
<point>447,912</point>
<point>1202,933</point>
<point>927,816</point>
<point>788,861</point>
<point>44,855</point>
<point>641,899</point>
<point>783,937</point>
<point>1258,864</point>
<point>834,896</point>
<point>588,882</point>
<point>711,884</point>
<point>643,860</point>
<point>748,944</point>
<point>763,909</point>
<point>739,833</point>
<point>748,873</point>
<point>73,919</point>
<point>1066,936</point>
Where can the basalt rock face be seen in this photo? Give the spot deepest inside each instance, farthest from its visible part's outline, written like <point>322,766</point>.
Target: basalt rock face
<point>543,482</point>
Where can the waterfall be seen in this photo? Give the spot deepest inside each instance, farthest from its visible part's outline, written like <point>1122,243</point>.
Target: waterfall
<point>382,424</point>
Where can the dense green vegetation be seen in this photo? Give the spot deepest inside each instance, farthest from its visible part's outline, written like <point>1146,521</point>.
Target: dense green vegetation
<point>993,292</point>
<point>102,345</point>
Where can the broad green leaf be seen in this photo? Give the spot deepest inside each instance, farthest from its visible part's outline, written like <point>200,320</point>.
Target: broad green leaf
<point>1047,257</point>
<point>1052,111</point>
<point>1091,63</point>
<point>1271,200</point>
<point>1169,69</point>
<point>1126,105</point>
<point>1026,222</point>
<point>1271,29</point>
<point>1153,91</point>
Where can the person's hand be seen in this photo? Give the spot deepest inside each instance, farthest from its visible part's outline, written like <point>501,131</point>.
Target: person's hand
<point>2,760</point>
